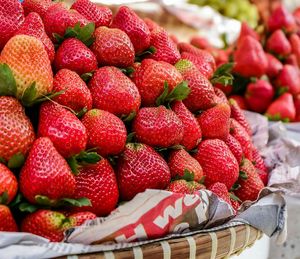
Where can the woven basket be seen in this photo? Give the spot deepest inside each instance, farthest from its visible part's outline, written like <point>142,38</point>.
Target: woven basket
<point>219,244</point>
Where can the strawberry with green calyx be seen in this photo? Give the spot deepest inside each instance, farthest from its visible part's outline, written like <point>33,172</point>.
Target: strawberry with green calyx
<point>223,75</point>
<point>274,66</point>
<point>184,186</point>
<point>278,44</point>
<point>8,185</point>
<point>36,6</point>
<point>289,80</point>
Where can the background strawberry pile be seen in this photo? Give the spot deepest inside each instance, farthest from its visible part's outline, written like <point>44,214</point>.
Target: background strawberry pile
<point>95,109</point>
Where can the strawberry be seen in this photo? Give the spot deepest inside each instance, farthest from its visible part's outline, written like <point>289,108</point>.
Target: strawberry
<point>235,147</point>
<point>191,129</point>
<point>114,92</point>
<point>36,6</point>
<point>218,162</point>
<point>174,38</point>
<point>203,60</point>
<point>259,95</point>
<point>200,42</point>
<point>289,78</point>
<point>297,107</point>
<point>33,26</point>
<point>241,101</point>
<point>98,183</point>
<point>8,183</point>
<point>185,187</point>
<point>246,30</point>
<point>63,128</point>
<point>274,66</point>
<point>158,126</point>
<point>281,18</point>
<point>49,172</point>
<point>113,47</point>
<point>202,95</point>
<point>165,48</point>
<point>220,96</point>
<point>282,108</point>
<point>226,89</point>
<point>295,44</point>
<point>264,176</point>
<point>258,160</point>
<point>105,131</point>
<point>16,131</point>
<point>137,30</point>
<point>150,78</point>
<point>214,122</point>
<point>250,59</point>
<point>181,162</point>
<point>100,15</point>
<point>140,168</point>
<point>11,17</point>
<point>186,47</point>
<point>151,24</point>
<point>241,135</point>
<point>29,62</point>
<point>78,218</point>
<point>7,221</point>
<point>76,94</point>
<point>278,43</point>
<point>291,60</point>
<point>235,205</point>
<point>74,55</point>
<point>251,184</point>
<point>221,191</point>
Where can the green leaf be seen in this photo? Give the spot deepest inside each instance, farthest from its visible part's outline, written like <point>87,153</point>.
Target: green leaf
<point>202,180</point>
<point>81,113</point>
<point>73,165</point>
<point>235,187</point>
<point>188,175</point>
<point>223,74</point>
<point>87,76</point>
<point>2,160</point>
<point>225,68</point>
<point>16,201</point>
<point>47,97</point>
<point>7,81</point>
<point>75,202</point>
<point>86,32</point>
<point>130,137</point>
<point>27,207</point>
<point>128,118</point>
<point>58,38</point>
<point>161,99</point>
<point>4,197</point>
<point>234,197</point>
<point>179,93</point>
<point>281,90</point>
<point>16,161</point>
<point>127,71</point>
<point>89,157</point>
<point>44,200</point>
<point>243,175</point>
<point>29,95</point>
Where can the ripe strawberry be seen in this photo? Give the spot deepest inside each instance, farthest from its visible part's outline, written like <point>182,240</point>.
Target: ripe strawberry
<point>218,162</point>
<point>165,48</point>
<point>113,47</point>
<point>8,183</point>
<point>202,95</point>
<point>158,126</point>
<point>214,122</point>
<point>264,176</point>
<point>141,168</point>
<point>151,24</point>
<point>100,15</point>
<point>221,191</point>
<point>98,183</point>
<point>76,94</point>
<point>185,187</point>
<point>246,30</point>
<point>251,186</point>
<point>235,205</point>
<point>181,161</point>
<point>250,59</point>
<point>282,108</point>
<point>226,89</point>
<point>11,17</point>
<point>295,44</point>
<point>241,101</point>
<point>29,62</point>
<point>191,129</point>
<point>63,128</point>
<point>137,30</point>
<point>7,221</point>
<point>33,26</point>
<point>174,38</point>
<point>297,107</point>
<point>36,6</point>
<point>258,160</point>
<point>16,131</point>
<point>235,147</point>
<point>281,18</point>
<point>74,55</point>
<point>200,42</point>
<point>291,60</point>
<point>278,43</point>
<point>289,78</point>
<point>49,172</point>
<point>274,66</point>
<point>105,131</point>
<point>150,78</point>
<point>220,96</point>
<point>186,47</point>
<point>114,92</point>
<point>78,218</point>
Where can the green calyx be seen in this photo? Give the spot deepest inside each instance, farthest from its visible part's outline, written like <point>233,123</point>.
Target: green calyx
<point>87,76</point>
<point>140,56</point>
<point>276,117</point>
<point>188,175</point>
<point>8,86</point>
<point>234,197</point>
<point>4,197</point>
<point>243,175</point>
<point>16,161</point>
<point>223,74</point>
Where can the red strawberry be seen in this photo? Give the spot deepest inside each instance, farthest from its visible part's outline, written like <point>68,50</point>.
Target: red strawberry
<point>7,221</point>
<point>226,89</point>
<point>16,131</point>
<point>137,30</point>
<point>202,95</point>
<point>282,108</point>
<point>185,187</point>
<point>186,47</point>
<point>151,24</point>
<point>174,38</point>
<point>74,55</point>
<point>100,15</point>
<point>220,96</point>
<point>76,94</point>
<point>181,161</point>
<point>235,205</point>
<point>150,78</point>
<point>37,6</point>
<point>8,183</point>
<point>278,43</point>
<point>281,18</point>
<point>98,183</point>
<point>11,19</point>
<point>246,30</point>
<point>63,128</point>
<point>158,126</point>
<point>218,162</point>
<point>258,160</point>
<point>200,42</point>
<point>106,132</point>
<point>113,47</point>
<point>79,218</point>
<point>221,191</point>
<point>264,176</point>
<point>292,60</point>
<point>114,92</point>
<point>191,129</point>
<point>295,44</point>
<point>33,26</point>
<point>274,66</point>
<point>297,107</point>
<point>235,147</point>
<point>49,172</point>
<point>165,48</point>
<point>251,186</point>
<point>241,101</point>
<point>250,59</point>
<point>141,168</point>
<point>289,78</point>
<point>214,122</point>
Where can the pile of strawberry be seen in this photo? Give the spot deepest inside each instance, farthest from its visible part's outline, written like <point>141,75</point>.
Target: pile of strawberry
<point>95,109</point>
